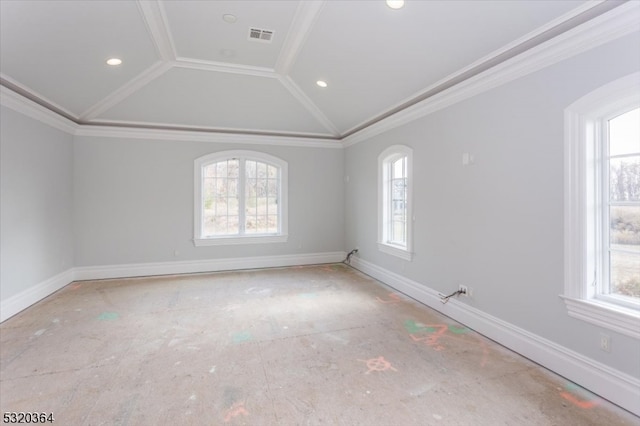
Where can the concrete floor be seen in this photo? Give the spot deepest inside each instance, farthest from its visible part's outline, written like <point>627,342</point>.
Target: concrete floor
<point>292,346</point>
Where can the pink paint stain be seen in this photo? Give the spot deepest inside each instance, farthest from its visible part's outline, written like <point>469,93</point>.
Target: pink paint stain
<point>437,332</point>
<point>432,339</point>
<point>582,404</point>
<point>393,298</point>
<point>236,410</point>
<point>377,364</point>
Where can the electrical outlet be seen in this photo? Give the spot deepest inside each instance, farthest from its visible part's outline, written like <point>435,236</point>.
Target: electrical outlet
<point>464,289</point>
<point>605,342</point>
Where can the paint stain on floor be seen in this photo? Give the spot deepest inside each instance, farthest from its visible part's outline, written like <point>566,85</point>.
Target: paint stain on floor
<point>286,346</point>
<point>108,316</point>
<point>240,337</point>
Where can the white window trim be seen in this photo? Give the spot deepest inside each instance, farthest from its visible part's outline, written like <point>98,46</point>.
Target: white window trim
<point>582,123</point>
<point>281,237</point>
<point>383,246</point>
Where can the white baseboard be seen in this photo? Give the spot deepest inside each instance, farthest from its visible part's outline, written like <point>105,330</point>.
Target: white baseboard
<point>28,297</point>
<point>209,265</point>
<point>611,384</point>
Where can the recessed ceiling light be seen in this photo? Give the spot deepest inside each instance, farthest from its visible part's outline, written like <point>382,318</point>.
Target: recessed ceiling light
<point>114,61</point>
<point>227,17</point>
<point>395,4</point>
<point>322,83</point>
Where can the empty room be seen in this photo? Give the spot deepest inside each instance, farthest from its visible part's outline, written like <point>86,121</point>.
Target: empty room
<point>419,212</point>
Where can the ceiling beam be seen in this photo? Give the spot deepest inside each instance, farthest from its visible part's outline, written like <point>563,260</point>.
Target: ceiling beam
<point>126,90</point>
<point>303,21</point>
<point>155,19</point>
<point>302,97</point>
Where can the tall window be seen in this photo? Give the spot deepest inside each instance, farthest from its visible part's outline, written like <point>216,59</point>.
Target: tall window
<point>394,216</point>
<point>621,208</point>
<point>240,197</point>
<point>602,206</point>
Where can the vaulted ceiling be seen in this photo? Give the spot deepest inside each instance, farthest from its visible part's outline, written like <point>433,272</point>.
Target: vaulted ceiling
<point>193,64</point>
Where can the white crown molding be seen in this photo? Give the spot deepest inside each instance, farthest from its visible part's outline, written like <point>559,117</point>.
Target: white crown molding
<point>27,107</point>
<point>616,386</point>
<point>132,86</point>
<point>19,103</point>
<point>204,65</point>
<point>310,106</point>
<point>489,58</point>
<point>206,136</point>
<point>21,87</point>
<point>622,20</point>
<point>155,19</point>
<point>305,17</point>
<point>616,23</point>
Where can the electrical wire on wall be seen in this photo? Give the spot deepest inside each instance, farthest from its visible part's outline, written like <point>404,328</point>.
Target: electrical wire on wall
<point>445,299</point>
<point>347,260</point>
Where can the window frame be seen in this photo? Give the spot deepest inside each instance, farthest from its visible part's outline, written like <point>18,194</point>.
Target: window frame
<point>385,159</point>
<point>605,217</point>
<point>243,155</point>
<point>586,132</point>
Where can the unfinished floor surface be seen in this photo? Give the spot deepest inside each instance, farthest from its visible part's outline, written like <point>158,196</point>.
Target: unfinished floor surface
<point>292,346</point>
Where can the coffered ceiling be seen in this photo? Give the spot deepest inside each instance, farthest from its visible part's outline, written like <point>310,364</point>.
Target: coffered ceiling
<point>193,65</point>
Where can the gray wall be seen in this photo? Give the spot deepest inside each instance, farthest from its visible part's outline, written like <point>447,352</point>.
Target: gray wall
<point>496,226</point>
<point>134,201</point>
<point>36,183</point>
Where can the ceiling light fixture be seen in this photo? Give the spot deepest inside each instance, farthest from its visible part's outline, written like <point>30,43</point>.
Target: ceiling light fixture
<point>114,61</point>
<point>227,17</point>
<point>322,83</point>
<point>395,4</point>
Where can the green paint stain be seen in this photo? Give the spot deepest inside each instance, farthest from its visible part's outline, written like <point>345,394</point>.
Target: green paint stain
<point>243,336</point>
<point>458,330</point>
<point>308,295</point>
<point>413,327</point>
<point>572,387</point>
<point>108,316</point>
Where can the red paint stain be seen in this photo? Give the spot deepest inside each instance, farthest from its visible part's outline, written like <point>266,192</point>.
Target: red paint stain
<point>235,410</point>
<point>582,404</point>
<point>432,339</point>
<point>439,331</point>
<point>429,340</point>
<point>377,364</point>
<point>393,298</point>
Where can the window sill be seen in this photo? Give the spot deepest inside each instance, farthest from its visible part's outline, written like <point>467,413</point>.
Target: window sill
<point>617,318</point>
<point>395,251</point>
<point>235,240</point>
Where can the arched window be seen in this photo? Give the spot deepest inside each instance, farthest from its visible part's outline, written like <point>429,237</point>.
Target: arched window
<point>240,198</point>
<point>602,206</point>
<point>394,204</point>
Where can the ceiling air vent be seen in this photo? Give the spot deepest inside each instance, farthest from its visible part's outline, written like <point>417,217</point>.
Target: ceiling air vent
<point>260,35</point>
